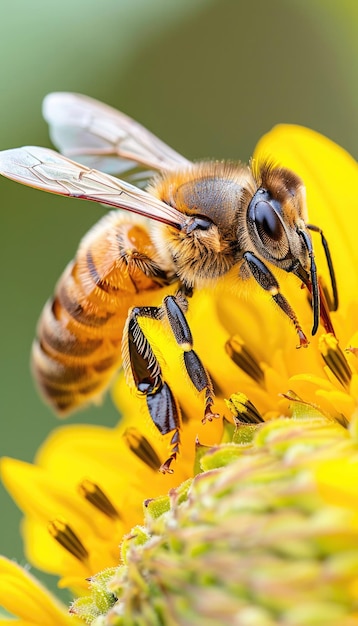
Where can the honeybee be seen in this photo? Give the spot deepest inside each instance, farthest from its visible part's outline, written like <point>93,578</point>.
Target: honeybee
<point>205,219</point>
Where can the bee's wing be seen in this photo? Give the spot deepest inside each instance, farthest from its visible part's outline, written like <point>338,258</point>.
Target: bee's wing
<point>104,138</point>
<point>50,171</point>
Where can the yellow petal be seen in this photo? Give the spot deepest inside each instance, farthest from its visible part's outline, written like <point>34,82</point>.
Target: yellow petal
<point>24,597</point>
<point>340,402</point>
<point>337,481</point>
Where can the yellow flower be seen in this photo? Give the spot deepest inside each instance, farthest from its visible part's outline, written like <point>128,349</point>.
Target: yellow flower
<point>87,485</point>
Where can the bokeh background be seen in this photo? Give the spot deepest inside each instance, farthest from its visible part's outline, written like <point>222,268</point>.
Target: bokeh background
<point>207,76</point>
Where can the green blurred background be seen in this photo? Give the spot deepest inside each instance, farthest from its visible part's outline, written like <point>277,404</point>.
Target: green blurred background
<point>208,77</point>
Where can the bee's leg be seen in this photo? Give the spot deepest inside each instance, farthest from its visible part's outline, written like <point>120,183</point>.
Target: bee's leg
<point>267,281</point>
<point>194,367</point>
<point>147,377</point>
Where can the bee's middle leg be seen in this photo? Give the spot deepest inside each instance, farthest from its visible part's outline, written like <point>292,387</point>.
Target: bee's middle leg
<point>147,372</point>
<point>139,357</point>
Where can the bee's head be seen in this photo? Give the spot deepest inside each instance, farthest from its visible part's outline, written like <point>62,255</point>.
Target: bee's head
<point>277,227</point>
<point>276,217</point>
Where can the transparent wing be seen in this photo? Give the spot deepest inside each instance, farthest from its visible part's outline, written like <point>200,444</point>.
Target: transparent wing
<point>106,139</point>
<point>47,170</point>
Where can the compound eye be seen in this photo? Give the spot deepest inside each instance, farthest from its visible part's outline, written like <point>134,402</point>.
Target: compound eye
<point>268,223</point>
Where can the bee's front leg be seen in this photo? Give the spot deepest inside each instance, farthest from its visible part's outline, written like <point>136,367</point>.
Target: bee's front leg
<point>267,281</point>
<point>193,365</point>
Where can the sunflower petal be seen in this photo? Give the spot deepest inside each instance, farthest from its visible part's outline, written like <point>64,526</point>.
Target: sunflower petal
<point>37,606</point>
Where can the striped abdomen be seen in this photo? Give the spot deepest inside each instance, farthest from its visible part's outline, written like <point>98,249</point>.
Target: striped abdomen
<point>78,344</point>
